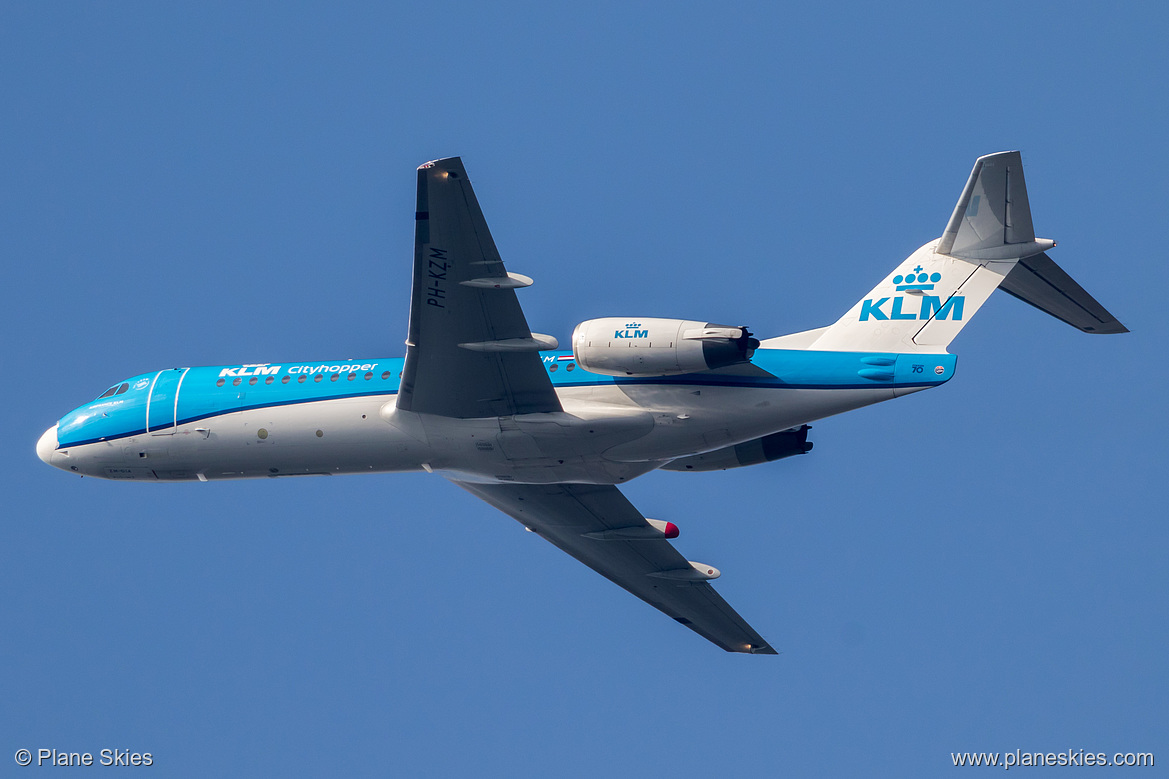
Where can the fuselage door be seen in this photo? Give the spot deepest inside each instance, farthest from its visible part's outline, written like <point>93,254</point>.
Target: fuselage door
<point>162,405</point>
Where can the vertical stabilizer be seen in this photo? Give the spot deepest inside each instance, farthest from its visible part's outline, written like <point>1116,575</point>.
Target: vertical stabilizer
<point>919,307</point>
<point>992,220</point>
<point>924,303</point>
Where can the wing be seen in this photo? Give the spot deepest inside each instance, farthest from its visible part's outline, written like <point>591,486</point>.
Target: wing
<point>470,352</point>
<point>590,522</point>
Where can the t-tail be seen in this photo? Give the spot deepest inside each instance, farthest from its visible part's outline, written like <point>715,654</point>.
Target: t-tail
<point>989,243</point>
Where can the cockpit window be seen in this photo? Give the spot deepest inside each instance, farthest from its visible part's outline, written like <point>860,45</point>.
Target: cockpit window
<point>117,389</point>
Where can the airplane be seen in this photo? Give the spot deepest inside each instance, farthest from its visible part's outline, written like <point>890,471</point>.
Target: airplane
<point>547,435</point>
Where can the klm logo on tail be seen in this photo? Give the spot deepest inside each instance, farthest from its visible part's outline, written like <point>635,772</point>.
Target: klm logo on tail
<point>631,331</point>
<point>930,305</point>
<point>916,280</point>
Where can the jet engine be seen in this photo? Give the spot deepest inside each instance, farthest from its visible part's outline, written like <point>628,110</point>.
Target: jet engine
<point>658,347</point>
<point>767,449</point>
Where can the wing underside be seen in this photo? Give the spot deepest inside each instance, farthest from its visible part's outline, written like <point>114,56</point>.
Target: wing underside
<point>469,352</point>
<point>580,520</point>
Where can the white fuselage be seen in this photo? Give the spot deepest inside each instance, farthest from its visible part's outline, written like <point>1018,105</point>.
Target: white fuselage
<point>608,433</point>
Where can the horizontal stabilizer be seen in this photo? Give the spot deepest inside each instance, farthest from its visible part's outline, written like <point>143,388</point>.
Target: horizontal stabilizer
<point>1038,280</point>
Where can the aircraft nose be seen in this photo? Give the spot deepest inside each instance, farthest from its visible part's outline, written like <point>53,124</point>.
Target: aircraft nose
<point>47,444</point>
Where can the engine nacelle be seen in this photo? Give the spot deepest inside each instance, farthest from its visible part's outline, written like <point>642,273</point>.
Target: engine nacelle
<point>767,449</point>
<point>658,347</point>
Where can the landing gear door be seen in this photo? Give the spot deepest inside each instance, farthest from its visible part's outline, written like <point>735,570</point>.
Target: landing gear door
<point>162,407</point>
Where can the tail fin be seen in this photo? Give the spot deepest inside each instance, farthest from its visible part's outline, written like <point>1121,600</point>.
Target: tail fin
<point>992,220</point>
<point>923,304</point>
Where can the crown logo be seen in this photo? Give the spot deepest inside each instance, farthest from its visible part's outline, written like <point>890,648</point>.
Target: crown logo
<point>916,280</point>
<point>632,325</point>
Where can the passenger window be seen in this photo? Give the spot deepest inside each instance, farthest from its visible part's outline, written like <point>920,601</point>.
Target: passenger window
<point>285,379</point>
<point>318,377</point>
<point>369,376</point>
<point>552,367</point>
<point>334,377</point>
<point>352,376</point>
<point>236,382</point>
<point>571,366</point>
<point>385,375</point>
<point>219,383</point>
<point>269,380</point>
<point>301,379</point>
<point>253,381</point>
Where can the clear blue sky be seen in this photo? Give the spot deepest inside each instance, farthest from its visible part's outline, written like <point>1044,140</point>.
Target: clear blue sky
<point>980,567</point>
